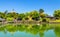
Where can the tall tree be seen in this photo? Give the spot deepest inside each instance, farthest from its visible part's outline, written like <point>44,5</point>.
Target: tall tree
<point>6,11</point>
<point>56,13</point>
<point>41,12</point>
<point>35,15</point>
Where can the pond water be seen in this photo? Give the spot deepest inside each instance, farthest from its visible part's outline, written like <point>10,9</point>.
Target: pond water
<point>44,30</point>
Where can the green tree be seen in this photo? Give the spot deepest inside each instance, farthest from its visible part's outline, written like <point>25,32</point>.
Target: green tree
<point>56,13</point>
<point>41,12</point>
<point>2,15</point>
<point>6,11</point>
<point>32,15</point>
<point>35,15</point>
<point>12,14</point>
<point>21,16</point>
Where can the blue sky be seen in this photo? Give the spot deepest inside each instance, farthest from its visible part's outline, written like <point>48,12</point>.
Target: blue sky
<point>22,6</point>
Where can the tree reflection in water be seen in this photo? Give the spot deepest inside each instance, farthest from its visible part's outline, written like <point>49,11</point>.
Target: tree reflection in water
<point>57,31</point>
<point>33,29</point>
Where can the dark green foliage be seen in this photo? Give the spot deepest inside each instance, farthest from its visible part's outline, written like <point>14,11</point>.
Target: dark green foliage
<point>44,20</point>
<point>57,13</point>
<point>41,10</point>
<point>26,18</point>
<point>19,19</point>
<point>34,15</point>
<point>21,16</point>
<point>35,18</point>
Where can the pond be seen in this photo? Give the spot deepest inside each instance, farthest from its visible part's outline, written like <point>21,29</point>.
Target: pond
<point>30,30</point>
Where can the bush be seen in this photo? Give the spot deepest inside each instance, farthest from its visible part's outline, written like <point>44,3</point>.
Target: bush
<point>19,18</point>
<point>36,18</point>
<point>44,20</point>
<point>10,19</point>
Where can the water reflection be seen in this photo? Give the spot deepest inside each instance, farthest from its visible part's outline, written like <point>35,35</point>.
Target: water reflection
<point>32,29</point>
<point>57,31</point>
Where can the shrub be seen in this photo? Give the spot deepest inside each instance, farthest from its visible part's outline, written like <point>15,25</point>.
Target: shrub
<point>44,20</point>
<point>10,19</point>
